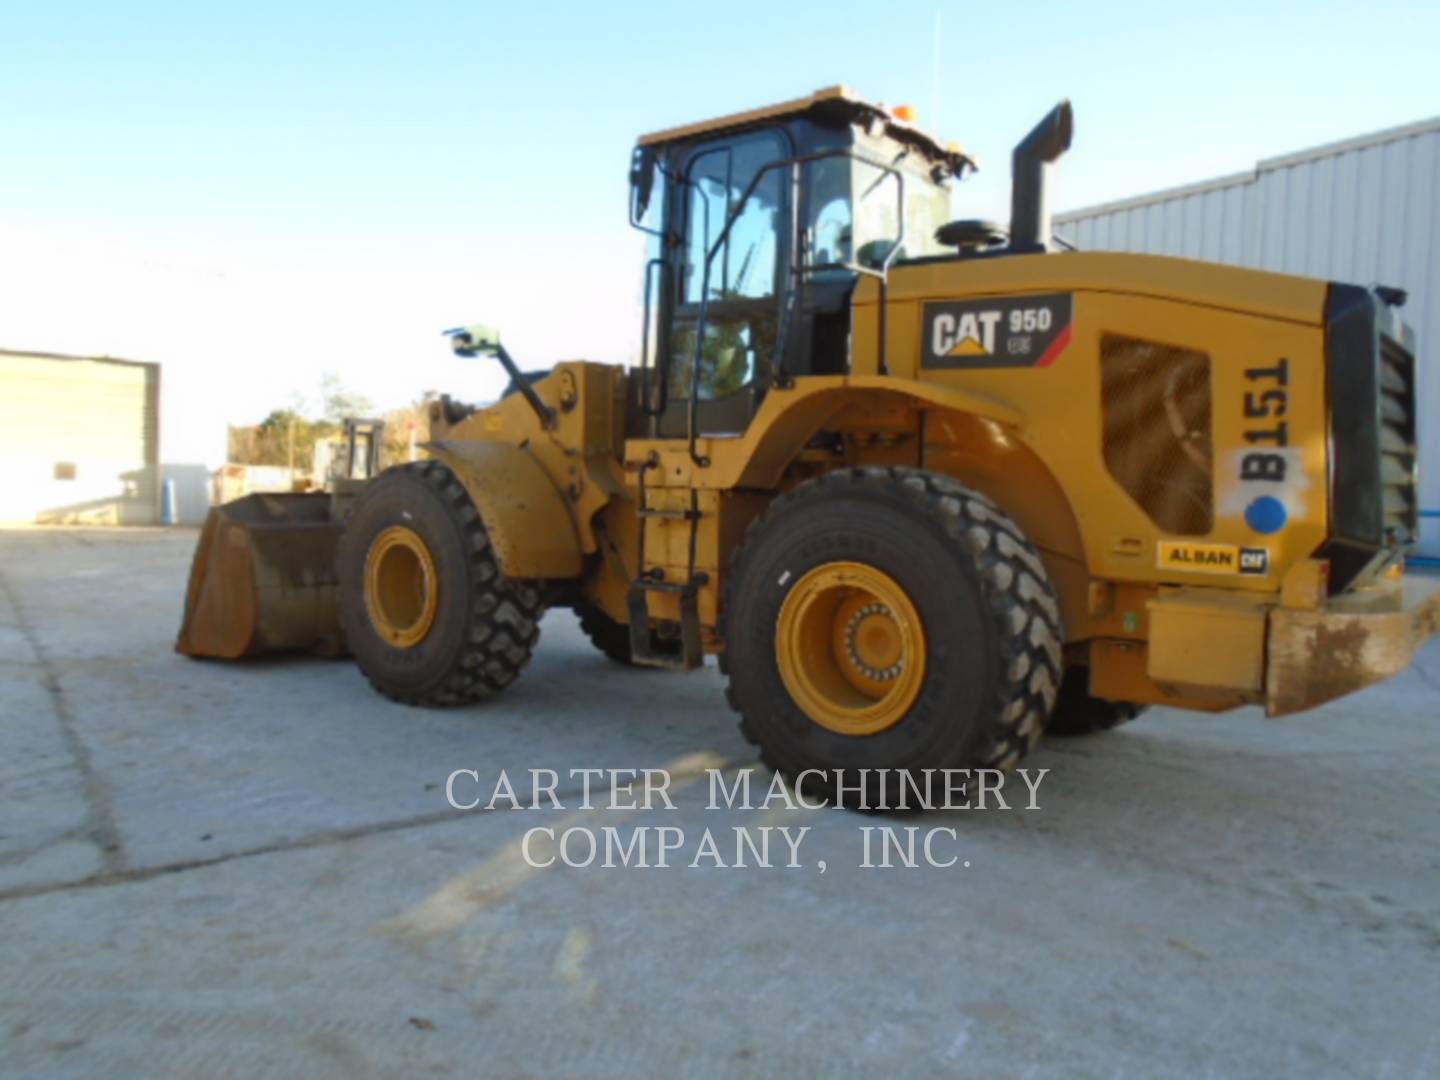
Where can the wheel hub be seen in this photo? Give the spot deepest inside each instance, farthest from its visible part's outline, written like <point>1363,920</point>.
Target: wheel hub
<point>401,587</point>
<point>850,647</point>
<point>873,642</point>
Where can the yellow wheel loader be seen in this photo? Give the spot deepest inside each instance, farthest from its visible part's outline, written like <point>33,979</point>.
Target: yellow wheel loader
<point>925,487</point>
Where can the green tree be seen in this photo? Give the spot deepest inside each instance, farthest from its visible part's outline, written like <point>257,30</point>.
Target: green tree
<point>287,436</point>
<point>337,401</point>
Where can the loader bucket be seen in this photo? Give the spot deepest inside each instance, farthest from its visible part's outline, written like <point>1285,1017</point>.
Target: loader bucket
<point>263,580</point>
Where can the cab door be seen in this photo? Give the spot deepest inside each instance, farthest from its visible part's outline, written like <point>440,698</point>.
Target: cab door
<point>724,315</point>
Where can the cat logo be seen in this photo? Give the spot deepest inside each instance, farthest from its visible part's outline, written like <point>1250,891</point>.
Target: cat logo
<point>1213,558</point>
<point>971,333</point>
<point>1254,560</point>
<point>996,332</point>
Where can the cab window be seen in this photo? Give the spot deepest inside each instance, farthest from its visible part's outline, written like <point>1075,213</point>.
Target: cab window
<point>741,290</point>
<point>829,222</point>
<point>747,265</point>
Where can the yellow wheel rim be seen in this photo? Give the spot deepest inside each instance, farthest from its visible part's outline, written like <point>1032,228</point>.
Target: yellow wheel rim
<point>401,593</point>
<point>851,648</point>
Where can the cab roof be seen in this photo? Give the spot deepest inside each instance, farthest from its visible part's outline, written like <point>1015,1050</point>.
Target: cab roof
<point>831,102</point>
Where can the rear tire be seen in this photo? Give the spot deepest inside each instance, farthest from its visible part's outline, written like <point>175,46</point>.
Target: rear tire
<point>436,623</point>
<point>1077,712</point>
<point>986,615</point>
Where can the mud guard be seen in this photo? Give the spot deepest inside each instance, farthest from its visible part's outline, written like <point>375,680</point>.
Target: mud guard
<point>529,521</point>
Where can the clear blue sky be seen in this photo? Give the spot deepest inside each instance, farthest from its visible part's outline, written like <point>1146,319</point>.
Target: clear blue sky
<point>486,143</point>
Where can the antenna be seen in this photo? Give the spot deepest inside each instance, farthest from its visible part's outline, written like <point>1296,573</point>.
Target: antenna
<point>934,124</point>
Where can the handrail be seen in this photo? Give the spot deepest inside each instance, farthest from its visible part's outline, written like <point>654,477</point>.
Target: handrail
<point>651,402</point>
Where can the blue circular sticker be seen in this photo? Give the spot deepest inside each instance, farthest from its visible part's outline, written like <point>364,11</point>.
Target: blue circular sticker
<point>1266,514</point>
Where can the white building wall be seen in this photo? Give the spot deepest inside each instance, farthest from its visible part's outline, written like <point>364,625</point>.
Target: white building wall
<point>1365,211</point>
<point>61,295</point>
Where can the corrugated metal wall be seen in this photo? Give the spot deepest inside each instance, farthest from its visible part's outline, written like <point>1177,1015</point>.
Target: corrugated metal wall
<point>79,440</point>
<point>1366,210</point>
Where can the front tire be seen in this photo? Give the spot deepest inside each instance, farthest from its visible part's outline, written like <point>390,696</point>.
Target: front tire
<point>426,611</point>
<point>889,619</point>
<point>609,636</point>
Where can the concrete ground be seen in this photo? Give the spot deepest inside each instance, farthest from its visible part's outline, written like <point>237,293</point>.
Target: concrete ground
<point>212,869</point>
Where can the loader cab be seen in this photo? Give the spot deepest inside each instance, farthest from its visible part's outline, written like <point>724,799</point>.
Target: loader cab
<point>761,224</point>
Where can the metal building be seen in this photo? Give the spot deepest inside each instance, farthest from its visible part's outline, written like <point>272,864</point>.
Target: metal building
<point>79,440</point>
<point>1365,210</point>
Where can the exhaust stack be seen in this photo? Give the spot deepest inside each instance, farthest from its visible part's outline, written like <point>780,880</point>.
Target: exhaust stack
<point>1029,169</point>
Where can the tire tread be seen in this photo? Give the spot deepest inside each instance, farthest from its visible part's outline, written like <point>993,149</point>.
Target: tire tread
<point>504,612</point>
<point>609,636</point>
<point>1022,602</point>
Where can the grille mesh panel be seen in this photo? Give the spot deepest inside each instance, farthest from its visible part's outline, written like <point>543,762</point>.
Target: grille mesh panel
<point>1157,430</point>
<point>1398,500</point>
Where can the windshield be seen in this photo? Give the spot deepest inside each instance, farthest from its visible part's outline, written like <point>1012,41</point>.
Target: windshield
<point>855,207</point>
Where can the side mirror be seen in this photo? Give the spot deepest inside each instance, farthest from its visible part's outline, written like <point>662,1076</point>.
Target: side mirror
<point>481,340</point>
<point>642,182</point>
<point>474,340</point>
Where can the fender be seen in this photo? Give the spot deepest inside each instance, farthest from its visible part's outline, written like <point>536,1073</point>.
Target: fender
<point>527,518</point>
<point>789,417</point>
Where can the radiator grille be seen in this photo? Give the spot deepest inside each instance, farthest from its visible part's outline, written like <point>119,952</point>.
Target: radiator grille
<point>1157,430</point>
<point>1398,497</point>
